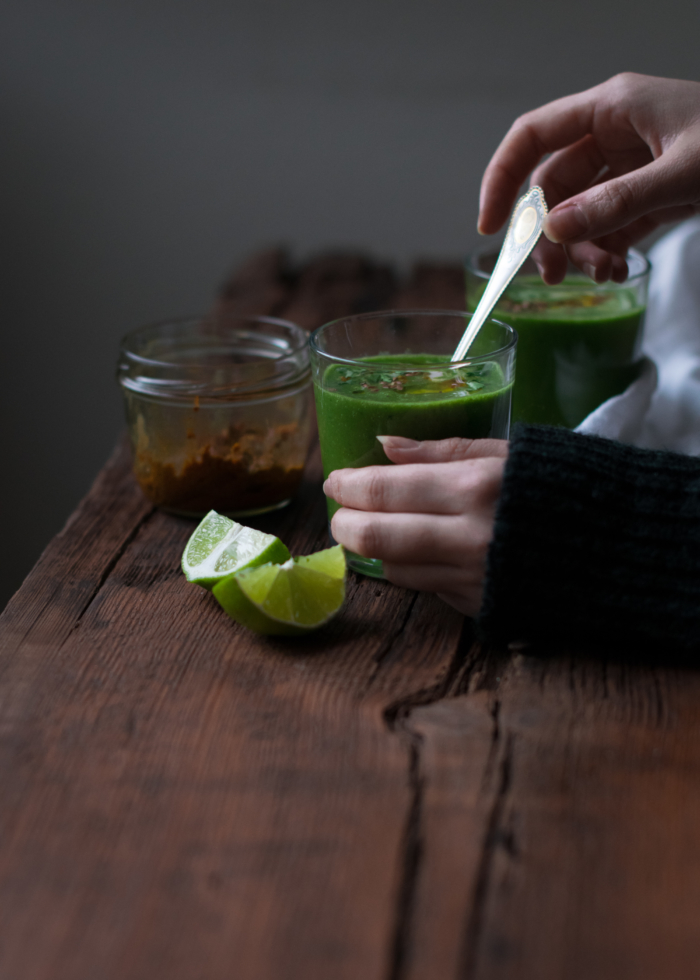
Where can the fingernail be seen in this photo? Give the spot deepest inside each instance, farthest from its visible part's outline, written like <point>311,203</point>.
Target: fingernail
<point>398,442</point>
<point>620,270</point>
<point>540,268</point>
<point>565,222</point>
<point>333,496</point>
<point>590,271</point>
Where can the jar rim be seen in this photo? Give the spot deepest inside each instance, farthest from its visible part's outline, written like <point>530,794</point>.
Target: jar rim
<point>217,356</point>
<point>462,314</point>
<point>472,266</point>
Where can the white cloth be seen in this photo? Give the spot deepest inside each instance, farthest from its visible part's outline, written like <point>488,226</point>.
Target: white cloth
<point>664,412</point>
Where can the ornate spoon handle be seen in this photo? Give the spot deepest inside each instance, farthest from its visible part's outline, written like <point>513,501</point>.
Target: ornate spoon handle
<point>523,232</point>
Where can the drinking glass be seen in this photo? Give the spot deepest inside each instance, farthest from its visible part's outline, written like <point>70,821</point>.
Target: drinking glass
<point>389,373</point>
<point>579,343</point>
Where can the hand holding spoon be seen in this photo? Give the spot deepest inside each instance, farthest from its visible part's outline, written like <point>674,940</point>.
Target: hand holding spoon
<point>523,234</point>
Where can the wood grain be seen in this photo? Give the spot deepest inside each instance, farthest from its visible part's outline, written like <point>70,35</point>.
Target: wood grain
<point>181,795</point>
<point>433,286</point>
<point>261,286</point>
<point>560,799</point>
<point>182,799</point>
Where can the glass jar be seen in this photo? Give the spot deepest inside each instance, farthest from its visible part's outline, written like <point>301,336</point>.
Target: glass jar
<point>219,412</point>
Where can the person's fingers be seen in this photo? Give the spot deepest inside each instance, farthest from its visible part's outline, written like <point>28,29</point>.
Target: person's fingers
<point>593,261</point>
<point>583,165</point>
<point>632,118</point>
<point>563,174</point>
<point>545,130</point>
<point>406,489</point>
<point>591,258</point>
<point>667,182</point>
<point>620,241</point>
<point>401,450</point>
<point>440,488</point>
<point>620,269</point>
<point>569,171</point>
<point>409,538</point>
<point>551,261</point>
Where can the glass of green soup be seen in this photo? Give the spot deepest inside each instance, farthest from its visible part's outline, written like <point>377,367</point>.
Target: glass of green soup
<point>389,373</point>
<point>578,342</point>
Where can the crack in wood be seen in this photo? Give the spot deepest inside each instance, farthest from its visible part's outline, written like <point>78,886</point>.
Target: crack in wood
<point>387,646</point>
<point>400,709</point>
<point>497,835</point>
<point>481,671</point>
<point>38,612</point>
<point>412,851</point>
<point>396,717</point>
<point>493,748</point>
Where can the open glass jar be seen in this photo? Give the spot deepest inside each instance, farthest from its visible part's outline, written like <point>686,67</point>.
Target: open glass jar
<point>219,412</point>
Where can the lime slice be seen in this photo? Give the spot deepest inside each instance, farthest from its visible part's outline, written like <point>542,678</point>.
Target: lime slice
<point>220,546</point>
<point>298,596</point>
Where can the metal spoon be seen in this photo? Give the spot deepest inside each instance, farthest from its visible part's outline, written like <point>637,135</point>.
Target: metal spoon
<point>523,233</point>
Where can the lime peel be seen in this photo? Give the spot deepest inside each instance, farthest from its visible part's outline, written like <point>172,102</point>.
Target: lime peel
<point>220,546</point>
<point>287,599</point>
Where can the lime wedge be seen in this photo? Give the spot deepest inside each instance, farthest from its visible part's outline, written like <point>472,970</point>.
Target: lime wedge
<point>220,546</point>
<point>298,596</point>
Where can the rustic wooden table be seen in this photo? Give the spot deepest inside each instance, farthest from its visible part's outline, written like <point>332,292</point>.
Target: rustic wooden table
<point>183,800</point>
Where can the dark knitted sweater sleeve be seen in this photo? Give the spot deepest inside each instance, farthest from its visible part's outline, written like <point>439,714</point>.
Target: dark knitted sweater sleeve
<point>594,540</point>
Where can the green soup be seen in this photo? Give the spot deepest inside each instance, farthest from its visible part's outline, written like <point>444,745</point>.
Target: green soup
<point>576,347</point>
<point>417,396</point>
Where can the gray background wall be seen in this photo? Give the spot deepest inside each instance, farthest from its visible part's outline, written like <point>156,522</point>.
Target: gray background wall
<point>148,146</point>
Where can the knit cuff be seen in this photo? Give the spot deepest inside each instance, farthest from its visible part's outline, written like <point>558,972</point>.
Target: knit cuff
<point>596,540</point>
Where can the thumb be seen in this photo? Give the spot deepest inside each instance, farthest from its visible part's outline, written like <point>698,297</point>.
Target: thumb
<point>613,204</point>
<point>400,450</point>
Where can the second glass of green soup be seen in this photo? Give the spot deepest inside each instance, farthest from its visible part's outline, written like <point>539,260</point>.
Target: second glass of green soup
<point>389,373</point>
<point>579,343</point>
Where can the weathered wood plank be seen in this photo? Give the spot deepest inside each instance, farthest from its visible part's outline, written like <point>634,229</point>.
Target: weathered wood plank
<point>76,562</point>
<point>455,753</point>
<point>335,285</point>
<point>182,798</point>
<point>559,816</point>
<point>433,286</point>
<point>260,287</point>
<point>181,795</point>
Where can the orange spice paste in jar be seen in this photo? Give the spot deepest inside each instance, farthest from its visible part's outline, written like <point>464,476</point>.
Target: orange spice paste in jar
<point>243,470</point>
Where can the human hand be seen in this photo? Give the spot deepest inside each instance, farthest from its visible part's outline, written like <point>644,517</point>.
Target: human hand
<point>430,519</point>
<point>625,158</point>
